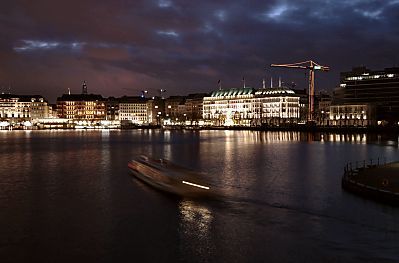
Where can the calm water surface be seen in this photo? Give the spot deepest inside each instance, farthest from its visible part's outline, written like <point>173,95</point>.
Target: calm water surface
<point>67,196</point>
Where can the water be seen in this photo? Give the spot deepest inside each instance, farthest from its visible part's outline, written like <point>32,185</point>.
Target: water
<point>67,196</point>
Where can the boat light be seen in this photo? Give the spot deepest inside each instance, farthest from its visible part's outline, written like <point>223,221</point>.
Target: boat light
<point>196,185</point>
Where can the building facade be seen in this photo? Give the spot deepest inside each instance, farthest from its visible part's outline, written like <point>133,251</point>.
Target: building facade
<point>380,89</point>
<point>81,107</point>
<point>112,109</point>
<point>275,106</point>
<point>22,108</point>
<point>352,115</point>
<point>133,110</point>
<point>250,107</point>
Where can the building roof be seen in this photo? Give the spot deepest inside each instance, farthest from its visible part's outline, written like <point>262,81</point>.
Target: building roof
<point>233,92</point>
<point>80,97</point>
<point>278,91</point>
<point>22,98</point>
<point>133,99</point>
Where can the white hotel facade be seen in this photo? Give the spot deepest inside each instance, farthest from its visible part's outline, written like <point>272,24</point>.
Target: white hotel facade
<point>250,107</point>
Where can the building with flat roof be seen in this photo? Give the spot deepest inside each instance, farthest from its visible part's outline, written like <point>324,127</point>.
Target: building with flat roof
<point>133,110</point>
<point>379,89</point>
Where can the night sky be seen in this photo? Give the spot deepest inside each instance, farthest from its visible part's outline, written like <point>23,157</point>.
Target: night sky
<point>123,47</point>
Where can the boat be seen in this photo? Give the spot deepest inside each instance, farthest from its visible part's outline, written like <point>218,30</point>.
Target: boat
<point>169,177</point>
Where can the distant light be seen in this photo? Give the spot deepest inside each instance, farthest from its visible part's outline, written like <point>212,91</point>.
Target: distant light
<point>196,185</point>
<point>4,124</point>
<point>169,33</point>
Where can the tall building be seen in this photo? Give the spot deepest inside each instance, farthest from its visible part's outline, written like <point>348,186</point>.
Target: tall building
<point>379,89</point>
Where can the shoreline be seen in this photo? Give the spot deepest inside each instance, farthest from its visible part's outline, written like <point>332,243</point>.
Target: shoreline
<point>301,128</point>
<point>376,181</point>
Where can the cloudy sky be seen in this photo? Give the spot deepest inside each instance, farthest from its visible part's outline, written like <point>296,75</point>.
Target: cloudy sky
<point>122,47</point>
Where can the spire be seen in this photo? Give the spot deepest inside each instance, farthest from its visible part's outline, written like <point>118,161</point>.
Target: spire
<point>84,87</point>
<point>279,82</point>
<point>69,91</point>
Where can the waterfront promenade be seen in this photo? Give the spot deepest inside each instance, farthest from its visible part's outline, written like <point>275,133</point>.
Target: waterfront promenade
<point>378,181</point>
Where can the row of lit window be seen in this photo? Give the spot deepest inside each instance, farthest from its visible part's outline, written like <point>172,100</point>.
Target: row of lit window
<point>366,76</point>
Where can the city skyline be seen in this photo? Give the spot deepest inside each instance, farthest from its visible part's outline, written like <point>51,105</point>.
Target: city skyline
<point>124,48</point>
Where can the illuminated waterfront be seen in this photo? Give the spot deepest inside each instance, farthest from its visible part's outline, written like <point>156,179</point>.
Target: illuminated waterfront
<point>67,196</point>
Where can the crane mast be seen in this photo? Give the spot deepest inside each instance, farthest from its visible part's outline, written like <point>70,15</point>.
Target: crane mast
<point>312,67</point>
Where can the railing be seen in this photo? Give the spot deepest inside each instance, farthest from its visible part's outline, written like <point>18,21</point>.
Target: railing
<point>352,169</point>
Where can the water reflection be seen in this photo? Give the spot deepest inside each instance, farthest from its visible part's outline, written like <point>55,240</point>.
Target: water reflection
<point>195,228</point>
<point>293,136</point>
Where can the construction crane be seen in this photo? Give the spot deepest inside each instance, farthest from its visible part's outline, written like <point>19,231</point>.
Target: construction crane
<point>312,67</point>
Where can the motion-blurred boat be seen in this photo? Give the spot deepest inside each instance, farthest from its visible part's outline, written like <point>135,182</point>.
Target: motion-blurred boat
<point>166,176</point>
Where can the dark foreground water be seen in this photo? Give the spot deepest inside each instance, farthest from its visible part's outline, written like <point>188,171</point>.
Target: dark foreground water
<point>67,196</point>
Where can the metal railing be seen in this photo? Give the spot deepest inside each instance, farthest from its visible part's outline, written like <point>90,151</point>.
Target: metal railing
<point>352,169</point>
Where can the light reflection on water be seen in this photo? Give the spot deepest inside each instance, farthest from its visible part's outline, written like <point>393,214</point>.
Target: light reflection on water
<point>69,193</point>
<point>195,229</point>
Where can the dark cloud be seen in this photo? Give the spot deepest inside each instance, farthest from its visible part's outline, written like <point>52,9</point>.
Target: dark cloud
<point>122,47</point>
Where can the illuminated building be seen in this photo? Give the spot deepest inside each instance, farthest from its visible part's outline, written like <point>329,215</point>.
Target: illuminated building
<point>184,109</point>
<point>352,115</point>
<point>88,107</point>
<point>247,106</point>
<point>229,107</point>
<point>276,106</point>
<point>172,107</point>
<point>133,110</point>
<point>155,110</point>
<point>81,107</point>
<point>323,113</point>
<point>20,108</point>
<point>362,86</point>
<point>39,108</point>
